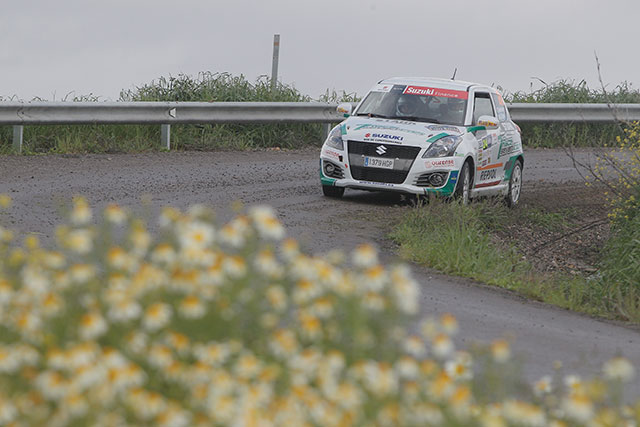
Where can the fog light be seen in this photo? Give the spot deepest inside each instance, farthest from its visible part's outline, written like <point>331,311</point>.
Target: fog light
<point>329,168</point>
<point>436,179</point>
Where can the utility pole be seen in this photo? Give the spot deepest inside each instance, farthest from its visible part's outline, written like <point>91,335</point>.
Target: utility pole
<point>274,63</point>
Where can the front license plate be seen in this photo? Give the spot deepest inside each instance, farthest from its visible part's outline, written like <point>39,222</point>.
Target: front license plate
<point>377,162</point>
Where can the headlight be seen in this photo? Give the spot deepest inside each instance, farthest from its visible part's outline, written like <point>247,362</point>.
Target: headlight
<point>444,147</point>
<point>334,140</point>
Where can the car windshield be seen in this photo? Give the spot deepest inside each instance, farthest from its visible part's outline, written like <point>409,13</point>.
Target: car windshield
<point>416,103</point>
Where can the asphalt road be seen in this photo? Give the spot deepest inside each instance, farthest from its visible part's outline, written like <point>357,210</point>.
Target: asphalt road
<point>288,181</point>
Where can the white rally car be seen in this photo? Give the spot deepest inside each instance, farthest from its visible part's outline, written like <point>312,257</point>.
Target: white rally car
<point>422,136</point>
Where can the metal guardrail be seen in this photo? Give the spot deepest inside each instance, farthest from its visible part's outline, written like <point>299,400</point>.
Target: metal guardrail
<point>165,114</point>
<point>592,113</point>
<point>45,113</point>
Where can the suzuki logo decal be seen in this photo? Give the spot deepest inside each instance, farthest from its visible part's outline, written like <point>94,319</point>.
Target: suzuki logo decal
<point>381,149</point>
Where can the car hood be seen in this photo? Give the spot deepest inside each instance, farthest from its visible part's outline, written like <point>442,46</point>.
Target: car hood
<point>392,131</point>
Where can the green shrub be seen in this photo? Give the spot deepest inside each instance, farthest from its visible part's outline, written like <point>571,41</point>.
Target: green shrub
<point>572,134</point>
<point>620,269</point>
<point>206,87</point>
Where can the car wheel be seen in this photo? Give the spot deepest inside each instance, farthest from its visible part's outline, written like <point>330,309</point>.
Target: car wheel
<point>515,185</point>
<point>331,191</point>
<point>463,189</point>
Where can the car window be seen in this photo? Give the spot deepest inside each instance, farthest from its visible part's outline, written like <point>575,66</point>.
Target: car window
<point>416,103</point>
<point>371,102</point>
<point>482,106</point>
<point>501,109</point>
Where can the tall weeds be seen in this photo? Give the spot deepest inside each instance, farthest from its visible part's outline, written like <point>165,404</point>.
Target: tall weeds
<point>572,134</point>
<point>205,87</point>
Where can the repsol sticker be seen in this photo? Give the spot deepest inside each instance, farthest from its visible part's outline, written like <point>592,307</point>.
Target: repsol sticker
<point>488,174</point>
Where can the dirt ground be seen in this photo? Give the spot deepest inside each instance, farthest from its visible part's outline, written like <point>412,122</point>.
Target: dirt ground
<point>559,228</point>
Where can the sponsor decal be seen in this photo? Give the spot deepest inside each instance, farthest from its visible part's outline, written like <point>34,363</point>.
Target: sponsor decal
<point>487,123</point>
<point>441,128</point>
<point>400,122</point>
<point>488,174</point>
<point>487,184</point>
<point>333,154</point>
<point>495,165</point>
<point>432,91</point>
<point>383,88</point>
<point>507,149</point>
<point>382,137</point>
<point>382,127</point>
<point>385,184</point>
<point>439,163</point>
<point>386,136</point>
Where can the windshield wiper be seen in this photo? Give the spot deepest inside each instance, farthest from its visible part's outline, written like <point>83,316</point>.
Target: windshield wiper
<point>377,116</point>
<point>416,119</point>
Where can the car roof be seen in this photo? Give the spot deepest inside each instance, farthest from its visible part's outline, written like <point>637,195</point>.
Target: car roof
<point>440,83</point>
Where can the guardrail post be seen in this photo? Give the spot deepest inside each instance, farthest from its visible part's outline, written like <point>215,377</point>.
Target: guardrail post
<point>326,128</point>
<point>165,136</point>
<point>17,138</point>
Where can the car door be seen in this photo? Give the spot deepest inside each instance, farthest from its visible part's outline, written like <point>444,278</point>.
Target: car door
<point>489,170</point>
<point>508,137</point>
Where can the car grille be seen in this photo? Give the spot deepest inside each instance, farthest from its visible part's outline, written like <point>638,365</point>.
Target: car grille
<point>403,156</point>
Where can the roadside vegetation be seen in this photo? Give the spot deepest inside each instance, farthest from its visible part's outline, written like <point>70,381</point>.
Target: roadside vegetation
<point>203,324</point>
<point>206,87</point>
<point>225,87</point>
<point>462,240</point>
<point>550,135</point>
<point>620,271</point>
<point>483,240</point>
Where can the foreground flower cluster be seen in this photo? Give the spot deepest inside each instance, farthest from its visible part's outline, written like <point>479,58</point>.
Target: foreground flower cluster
<point>200,324</point>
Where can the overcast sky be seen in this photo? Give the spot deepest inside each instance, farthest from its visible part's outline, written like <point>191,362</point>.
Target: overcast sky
<point>49,48</point>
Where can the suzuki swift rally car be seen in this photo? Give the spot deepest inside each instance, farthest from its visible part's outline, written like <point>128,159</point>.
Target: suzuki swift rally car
<point>423,136</point>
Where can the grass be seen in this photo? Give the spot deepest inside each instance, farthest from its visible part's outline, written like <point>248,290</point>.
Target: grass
<point>457,239</point>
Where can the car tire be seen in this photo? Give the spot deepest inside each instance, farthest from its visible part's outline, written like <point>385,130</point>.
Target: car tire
<point>463,188</point>
<point>515,185</point>
<point>331,191</point>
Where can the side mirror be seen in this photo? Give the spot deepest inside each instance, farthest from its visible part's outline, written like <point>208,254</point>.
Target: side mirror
<point>488,122</point>
<point>344,109</point>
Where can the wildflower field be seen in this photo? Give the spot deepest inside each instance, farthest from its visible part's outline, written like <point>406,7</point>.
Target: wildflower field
<point>203,323</point>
